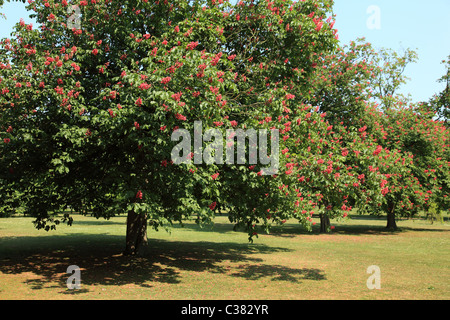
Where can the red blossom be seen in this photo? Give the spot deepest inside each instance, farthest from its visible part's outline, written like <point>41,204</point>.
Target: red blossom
<point>75,66</point>
<point>180,117</point>
<point>215,175</point>
<point>378,150</point>
<point>166,80</point>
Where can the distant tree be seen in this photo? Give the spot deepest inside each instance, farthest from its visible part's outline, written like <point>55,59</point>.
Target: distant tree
<point>439,104</point>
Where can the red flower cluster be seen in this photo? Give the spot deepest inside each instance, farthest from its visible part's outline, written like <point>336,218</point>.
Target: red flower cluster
<point>378,150</point>
<point>215,176</point>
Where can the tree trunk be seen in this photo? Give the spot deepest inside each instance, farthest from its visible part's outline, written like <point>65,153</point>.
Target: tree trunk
<point>324,223</point>
<point>136,239</point>
<point>391,224</point>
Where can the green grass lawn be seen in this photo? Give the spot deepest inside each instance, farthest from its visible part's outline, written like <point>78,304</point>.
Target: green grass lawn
<point>218,263</point>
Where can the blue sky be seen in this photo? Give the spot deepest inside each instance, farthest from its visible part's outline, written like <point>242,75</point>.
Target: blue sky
<point>420,25</point>
<point>423,26</point>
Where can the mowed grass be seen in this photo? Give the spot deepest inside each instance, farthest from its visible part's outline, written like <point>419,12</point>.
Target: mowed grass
<point>219,263</point>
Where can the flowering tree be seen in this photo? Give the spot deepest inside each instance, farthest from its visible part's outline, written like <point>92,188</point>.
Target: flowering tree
<point>358,87</point>
<point>88,111</point>
<point>342,91</point>
<point>416,175</point>
<point>427,141</point>
<point>342,84</point>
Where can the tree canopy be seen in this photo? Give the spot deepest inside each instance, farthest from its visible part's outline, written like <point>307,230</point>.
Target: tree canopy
<point>89,110</point>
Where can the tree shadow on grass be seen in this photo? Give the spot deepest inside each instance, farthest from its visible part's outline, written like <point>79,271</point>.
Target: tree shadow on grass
<point>280,273</point>
<point>101,262</point>
<point>96,222</point>
<point>365,228</point>
<point>292,229</point>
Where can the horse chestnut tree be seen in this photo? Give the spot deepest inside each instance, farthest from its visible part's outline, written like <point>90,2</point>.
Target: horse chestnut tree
<point>87,113</point>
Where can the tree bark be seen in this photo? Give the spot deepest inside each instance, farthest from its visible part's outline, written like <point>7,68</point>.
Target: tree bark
<point>391,224</point>
<point>324,223</point>
<point>136,239</point>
